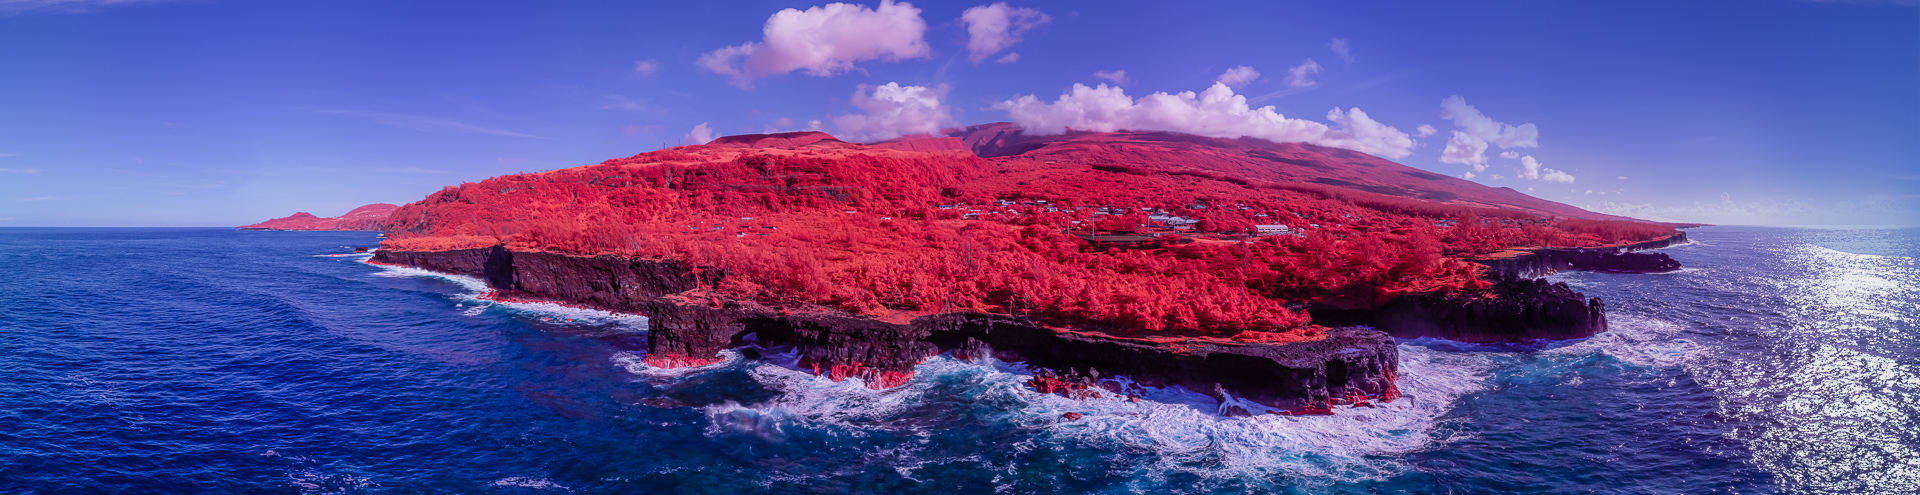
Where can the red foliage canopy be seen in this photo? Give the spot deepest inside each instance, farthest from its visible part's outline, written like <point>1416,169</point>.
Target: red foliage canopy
<point>896,233</point>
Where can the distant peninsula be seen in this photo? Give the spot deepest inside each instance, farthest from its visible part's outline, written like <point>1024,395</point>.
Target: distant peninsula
<point>369,217</point>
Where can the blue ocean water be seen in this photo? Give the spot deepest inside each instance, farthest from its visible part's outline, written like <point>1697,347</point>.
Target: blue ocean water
<point>221,361</point>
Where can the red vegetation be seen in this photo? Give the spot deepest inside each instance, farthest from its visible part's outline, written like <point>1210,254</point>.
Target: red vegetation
<point>803,220</point>
<point>369,217</point>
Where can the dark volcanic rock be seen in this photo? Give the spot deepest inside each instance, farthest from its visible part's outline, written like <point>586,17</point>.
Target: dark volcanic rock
<point>1623,259</point>
<point>1514,310</point>
<point>687,327</point>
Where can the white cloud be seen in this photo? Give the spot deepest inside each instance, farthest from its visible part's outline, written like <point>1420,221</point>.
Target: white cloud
<point>1216,112</point>
<point>28,171</point>
<point>1510,155</point>
<point>646,68</point>
<point>1239,77</point>
<point>992,28</point>
<point>1498,177</point>
<point>1532,169</point>
<point>1009,58</point>
<point>1479,125</point>
<point>1339,47</point>
<point>1425,130</point>
<point>701,134</point>
<point>1476,131</point>
<point>422,123</point>
<point>1301,76</point>
<point>892,110</point>
<point>1118,77</point>
<point>1373,136</point>
<point>1467,176</point>
<point>823,41</point>
<point>1623,177</point>
<point>1465,150</point>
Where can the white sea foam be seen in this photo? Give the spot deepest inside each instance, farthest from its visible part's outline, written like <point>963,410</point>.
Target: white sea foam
<point>474,285</point>
<point>1642,341</point>
<point>560,314</point>
<point>1180,429</point>
<point>526,482</point>
<point>553,313</point>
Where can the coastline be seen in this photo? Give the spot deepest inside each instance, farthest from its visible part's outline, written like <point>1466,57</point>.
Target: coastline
<point>689,327</point>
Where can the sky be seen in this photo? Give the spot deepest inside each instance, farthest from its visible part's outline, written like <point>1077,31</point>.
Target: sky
<point>227,112</point>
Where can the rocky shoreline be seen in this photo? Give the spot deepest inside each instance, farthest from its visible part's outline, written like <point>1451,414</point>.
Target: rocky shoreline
<point>688,327</point>
<point>1354,361</point>
<point>1619,259</point>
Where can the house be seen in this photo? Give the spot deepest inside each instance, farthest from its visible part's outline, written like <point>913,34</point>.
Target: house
<point>1270,229</point>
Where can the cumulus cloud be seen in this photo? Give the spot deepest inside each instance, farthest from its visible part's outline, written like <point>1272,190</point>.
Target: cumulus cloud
<point>1510,155</point>
<point>992,28</point>
<point>1239,77</point>
<point>892,110</point>
<point>1339,47</point>
<point>645,68</point>
<point>1372,135</point>
<point>1301,76</point>
<point>1477,130</point>
<point>1532,169</point>
<point>1118,76</point>
<point>823,41</point>
<point>1465,150</point>
<point>701,134</point>
<point>1216,112</point>
<point>1425,130</point>
<point>1008,59</point>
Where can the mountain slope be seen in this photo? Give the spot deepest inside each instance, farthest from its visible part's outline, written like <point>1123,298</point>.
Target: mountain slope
<point>1256,159</point>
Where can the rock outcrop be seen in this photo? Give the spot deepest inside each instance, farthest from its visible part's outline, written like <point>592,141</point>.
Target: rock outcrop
<point>688,326</point>
<point>1513,310</point>
<point>1620,259</point>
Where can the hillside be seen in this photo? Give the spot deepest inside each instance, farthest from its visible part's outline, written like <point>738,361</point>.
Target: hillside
<point>1126,233</point>
<point>369,217</point>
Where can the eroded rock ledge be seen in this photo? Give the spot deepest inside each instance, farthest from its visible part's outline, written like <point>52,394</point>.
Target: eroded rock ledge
<point>1622,259</point>
<point>689,328</point>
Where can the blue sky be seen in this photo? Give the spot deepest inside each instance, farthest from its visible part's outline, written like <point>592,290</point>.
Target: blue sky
<point>215,113</point>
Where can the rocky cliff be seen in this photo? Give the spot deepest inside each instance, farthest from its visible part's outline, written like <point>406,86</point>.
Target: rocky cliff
<point>690,326</point>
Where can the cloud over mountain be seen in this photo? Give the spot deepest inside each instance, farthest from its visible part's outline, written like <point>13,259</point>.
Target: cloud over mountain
<point>996,27</point>
<point>1476,130</point>
<point>1531,169</point>
<point>891,110</point>
<point>823,41</point>
<point>1216,112</point>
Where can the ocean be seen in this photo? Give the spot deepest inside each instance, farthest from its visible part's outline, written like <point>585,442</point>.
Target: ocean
<point>221,361</point>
